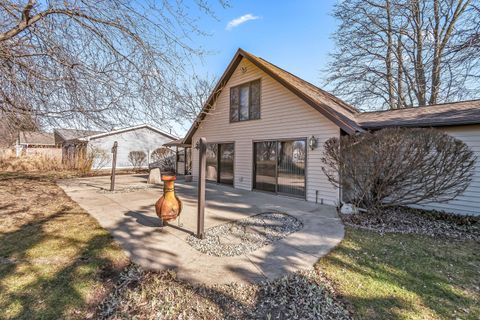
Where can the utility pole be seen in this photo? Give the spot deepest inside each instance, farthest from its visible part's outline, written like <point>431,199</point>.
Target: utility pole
<point>202,155</point>
<point>114,164</point>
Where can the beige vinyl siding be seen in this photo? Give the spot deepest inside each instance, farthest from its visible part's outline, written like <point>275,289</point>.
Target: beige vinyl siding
<point>469,201</point>
<point>283,116</point>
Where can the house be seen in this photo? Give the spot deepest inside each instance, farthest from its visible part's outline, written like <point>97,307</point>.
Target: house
<point>265,130</point>
<point>73,148</point>
<point>77,143</point>
<point>64,137</point>
<point>36,142</point>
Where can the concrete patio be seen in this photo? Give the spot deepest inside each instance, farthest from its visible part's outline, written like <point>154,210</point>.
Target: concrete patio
<point>130,217</point>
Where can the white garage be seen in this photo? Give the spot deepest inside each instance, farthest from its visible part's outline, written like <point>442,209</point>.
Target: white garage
<point>144,138</point>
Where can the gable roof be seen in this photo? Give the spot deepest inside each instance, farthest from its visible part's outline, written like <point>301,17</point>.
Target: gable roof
<point>73,134</point>
<point>445,114</point>
<point>104,134</point>
<point>36,138</point>
<point>333,108</point>
<point>347,117</point>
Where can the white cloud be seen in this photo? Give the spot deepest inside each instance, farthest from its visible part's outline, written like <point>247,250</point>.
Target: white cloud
<point>241,20</point>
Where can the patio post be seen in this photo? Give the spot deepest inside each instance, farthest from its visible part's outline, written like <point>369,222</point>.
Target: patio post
<point>114,164</point>
<point>202,151</point>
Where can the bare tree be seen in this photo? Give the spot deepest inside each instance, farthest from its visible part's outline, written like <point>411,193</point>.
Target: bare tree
<point>164,158</point>
<point>394,167</point>
<point>137,159</point>
<point>12,124</point>
<point>190,97</point>
<point>399,53</point>
<point>100,158</point>
<point>94,63</point>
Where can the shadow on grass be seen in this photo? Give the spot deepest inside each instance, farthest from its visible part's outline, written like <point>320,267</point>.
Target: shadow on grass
<point>406,276</point>
<point>56,266</point>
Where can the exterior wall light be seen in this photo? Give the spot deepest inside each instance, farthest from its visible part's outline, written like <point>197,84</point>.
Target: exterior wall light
<point>312,143</point>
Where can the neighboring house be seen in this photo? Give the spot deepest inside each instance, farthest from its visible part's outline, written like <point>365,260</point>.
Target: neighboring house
<point>74,149</point>
<point>139,138</point>
<point>65,137</point>
<point>34,142</point>
<point>265,130</point>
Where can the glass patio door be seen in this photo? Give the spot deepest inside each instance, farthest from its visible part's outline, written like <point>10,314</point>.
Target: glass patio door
<point>226,153</point>
<point>265,154</point>
<point>220,162</point>
<point>280,166</point>
<point>291,167</point>
<point>212,162</point>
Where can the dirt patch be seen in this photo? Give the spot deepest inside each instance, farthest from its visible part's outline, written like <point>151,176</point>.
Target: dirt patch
<point>416,221</point>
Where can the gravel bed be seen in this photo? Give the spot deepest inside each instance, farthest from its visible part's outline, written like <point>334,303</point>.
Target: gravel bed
<point>416,221</point>
<point>160,295</point>
<point>245,235</point>
<point>128,189</point>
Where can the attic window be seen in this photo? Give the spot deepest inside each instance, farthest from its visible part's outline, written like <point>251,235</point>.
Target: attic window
<point>245,101</point>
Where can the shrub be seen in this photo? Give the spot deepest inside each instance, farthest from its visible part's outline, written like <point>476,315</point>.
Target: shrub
<point>164,158</point>
<point>137,159</point>
<point>100,158</point>
<point>27,163</point>
<point>395,167</point>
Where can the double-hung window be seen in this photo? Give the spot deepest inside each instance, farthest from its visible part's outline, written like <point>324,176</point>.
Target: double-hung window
<point>245,101</point>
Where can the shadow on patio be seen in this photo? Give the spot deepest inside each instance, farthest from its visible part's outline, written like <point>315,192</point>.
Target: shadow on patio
<point>131,219</point>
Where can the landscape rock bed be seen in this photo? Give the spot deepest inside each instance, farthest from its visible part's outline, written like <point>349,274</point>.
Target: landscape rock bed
<point>246,235</point>
<point>128,189</point>
<point>416,221</point>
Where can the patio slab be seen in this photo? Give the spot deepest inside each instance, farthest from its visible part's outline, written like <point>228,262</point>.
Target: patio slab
<point>131,219</point>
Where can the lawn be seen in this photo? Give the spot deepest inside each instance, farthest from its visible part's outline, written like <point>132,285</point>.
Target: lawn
<point>55,260</point>
<point>397,276</point>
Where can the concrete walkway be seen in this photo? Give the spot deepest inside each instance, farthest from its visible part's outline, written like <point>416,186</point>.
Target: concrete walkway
<point>130,217</point>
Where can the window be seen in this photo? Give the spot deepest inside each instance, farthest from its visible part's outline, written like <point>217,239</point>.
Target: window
<point>245,101</point>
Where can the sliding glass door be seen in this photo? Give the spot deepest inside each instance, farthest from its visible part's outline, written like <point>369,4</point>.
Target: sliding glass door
<point>265,154</point>
<point>280,166</point>
<point>220,162</point>
<point>212,162</point>
<point>226,152</point>
<point>291,167</point>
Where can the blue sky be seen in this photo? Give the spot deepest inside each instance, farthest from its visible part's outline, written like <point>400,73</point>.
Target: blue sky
<point>294,35</point>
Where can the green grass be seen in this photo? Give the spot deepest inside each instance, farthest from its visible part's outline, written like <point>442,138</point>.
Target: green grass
<point>395,276</point>
<point>55,260</point>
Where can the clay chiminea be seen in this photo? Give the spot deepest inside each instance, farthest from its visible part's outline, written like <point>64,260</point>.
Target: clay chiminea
<point>169,206</point>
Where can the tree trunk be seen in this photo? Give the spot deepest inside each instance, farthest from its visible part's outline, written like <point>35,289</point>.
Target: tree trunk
<point>419,66</point>
<point>400,94</point>
<point>388,61</point>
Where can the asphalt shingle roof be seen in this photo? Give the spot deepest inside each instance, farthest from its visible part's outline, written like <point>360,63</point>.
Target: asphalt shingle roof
<point>446,114</point>
<point>36,138</point>
<point>72,134</point>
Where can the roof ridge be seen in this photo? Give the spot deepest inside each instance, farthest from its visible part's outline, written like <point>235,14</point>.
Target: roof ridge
<point>420,107</point>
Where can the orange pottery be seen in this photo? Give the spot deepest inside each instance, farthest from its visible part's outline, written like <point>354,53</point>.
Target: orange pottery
<point>169,206</point>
